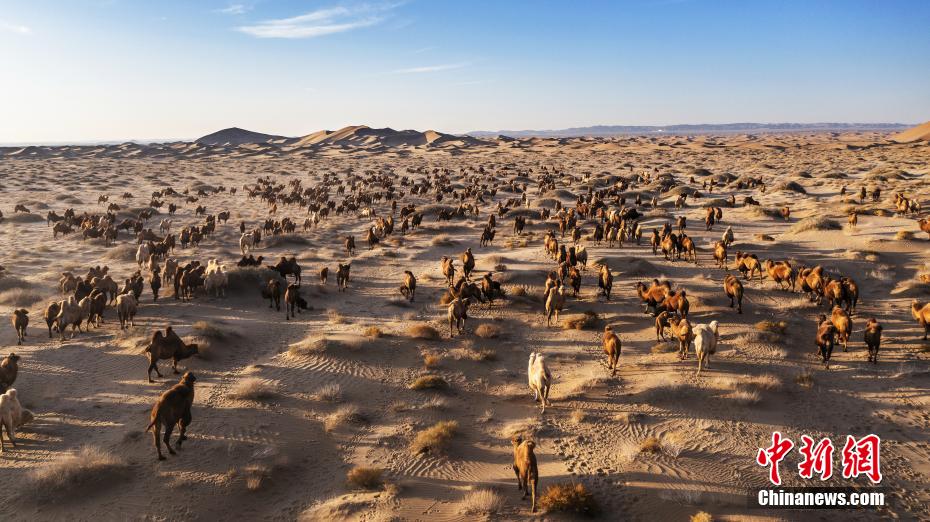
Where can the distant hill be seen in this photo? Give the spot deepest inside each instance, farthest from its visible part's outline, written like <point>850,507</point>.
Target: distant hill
<point>919,133</point>
<point>364,137</point>
<point>710,128</point>
<point>236,136</point>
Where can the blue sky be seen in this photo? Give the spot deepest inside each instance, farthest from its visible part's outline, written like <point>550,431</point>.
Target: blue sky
<point>117,69</point>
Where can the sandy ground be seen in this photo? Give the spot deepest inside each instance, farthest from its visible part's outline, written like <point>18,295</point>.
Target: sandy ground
<point>274,458</point>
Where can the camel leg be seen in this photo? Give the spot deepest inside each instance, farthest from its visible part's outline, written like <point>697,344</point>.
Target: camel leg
<point>155,432</point>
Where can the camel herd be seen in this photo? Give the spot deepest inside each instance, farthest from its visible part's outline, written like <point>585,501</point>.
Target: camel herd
<point>601,217</point>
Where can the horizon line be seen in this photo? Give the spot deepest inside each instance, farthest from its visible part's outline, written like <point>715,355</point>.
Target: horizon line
<point>146,141</point>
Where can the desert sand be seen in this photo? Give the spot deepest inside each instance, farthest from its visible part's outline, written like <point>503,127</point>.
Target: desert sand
<point>285,409</point>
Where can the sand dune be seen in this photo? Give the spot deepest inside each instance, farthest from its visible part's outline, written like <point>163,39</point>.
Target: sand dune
<point>285,409</point>
<point>918,133</point>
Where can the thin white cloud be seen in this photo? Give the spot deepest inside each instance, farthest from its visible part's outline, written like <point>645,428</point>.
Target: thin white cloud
<point>319,23</point>
<point>431,68</point>
<point>14,28</point>
<point>235,9</point>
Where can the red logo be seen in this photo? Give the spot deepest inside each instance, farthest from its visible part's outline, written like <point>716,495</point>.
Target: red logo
<point>817,459</point>
<point>773,455</point>
<point>862,457</point>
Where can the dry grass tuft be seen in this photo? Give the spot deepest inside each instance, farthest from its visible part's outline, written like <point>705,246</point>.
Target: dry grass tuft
<point>255,475</point>
<point>469,352</point>
<point>569,498</point>
<point>365,478</point>
<point>746,397</point>
<point>429,382</point>
<point>335,317</point>
<point>442,240</point>
<point>344,415</point>
<point>577,416</point>
<point>431,359</point>
<point>628,417</point>
<point>814,223</point>
<point>650,445</point>
<point>434,403</point>
<point>21,297</point>
<point>329,393</point>
<point>584,386</point>
<point>805,379</point>
<point>435,438</point>
<point>702,516</point>
<point>311,346</point>
<point>516,290</point>
<point>526,428</point>
<point>664,348</point>
<point>423,331</point>
<point>774,327</point>
<point>588,319</point>
<point>210,331</point>
<point>374,332</point>
<point>86,469</point>
<point>904,235</point>
<point>488,331</point>
<point>253,389</point>
<point>791,186</point>
<point>673,444</point>
<point>764,382</point>
<point>481,502</point>
<point>125,252</point>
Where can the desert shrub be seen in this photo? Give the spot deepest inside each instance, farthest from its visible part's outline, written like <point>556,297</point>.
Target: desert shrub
<point>431,359</point>
<point>588,319</point>
<point>429,382</point>
<point>125,252</point>
<point>249,278</point>
<point>804,379</point>
<point>569,498</point>
<point>286,240</point>
<point>672,444</point>
<point>791,186</point>
<point>488,331</point>
<point>329,393</point>
<point>365,478</point>
<point>762,212</point>
<point>374,332</point>
<point>349,413</point>
<point>434,403</point>
<point>746,397</point>
<point>24,297</point>
<point>469,352</point>
<point>253,388</point>
<point>335,317</point>
<point>764,382</point>
<point>209,330</point>
<point>442,240</point>
<point>86,469</point>
<point>24,218</point>
<point>481,502</point>
<point>650,445</point>
<point>435,438</point>
<point>664,348</point>
<point>814,223</point>
<point>904,235</point>
<point>772,327</point>
<point>701,516</point>
<point>423,331</point>
<point>577,416</point>
<point>311,346</point>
